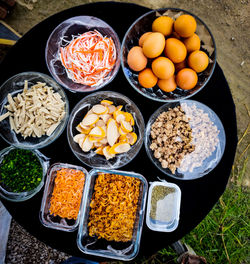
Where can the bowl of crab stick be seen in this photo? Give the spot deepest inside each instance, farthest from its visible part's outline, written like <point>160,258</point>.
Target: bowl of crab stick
<point>105,130</point>
<point>82,54</point>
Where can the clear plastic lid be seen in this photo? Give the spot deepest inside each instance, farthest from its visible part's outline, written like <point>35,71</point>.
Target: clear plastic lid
<point>163,207</point>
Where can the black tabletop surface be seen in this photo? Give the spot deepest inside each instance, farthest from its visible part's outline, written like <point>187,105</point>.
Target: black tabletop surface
<point>198,196</point>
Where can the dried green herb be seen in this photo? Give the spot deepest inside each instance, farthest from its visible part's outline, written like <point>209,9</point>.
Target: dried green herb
<point>20,171</point>
<point>158,193</point>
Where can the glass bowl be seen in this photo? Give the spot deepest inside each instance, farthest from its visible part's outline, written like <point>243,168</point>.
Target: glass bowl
<point>90,158</point>
<point>14,86</point>
<point>188,145</point>
<point>48,219</point>
<point>143,24</point>
<point>163,206</point>
<point>62,35</point>
<point>5,191</point>
<point>101,246</point>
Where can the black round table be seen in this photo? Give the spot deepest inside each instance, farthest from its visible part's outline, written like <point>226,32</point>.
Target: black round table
<point>198,196</point>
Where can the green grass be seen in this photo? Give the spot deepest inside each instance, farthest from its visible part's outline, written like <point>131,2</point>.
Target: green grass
<point>223,236</point>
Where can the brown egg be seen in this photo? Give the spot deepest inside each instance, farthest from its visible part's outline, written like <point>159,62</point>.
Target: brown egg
<point>163,24</point>
<point>136,59</point>
<point>143,38</point>
<point>163,67</point>
<point>168,85</point>
<point>186,79</point>
<point>192,43</point>
<point>147,79</point>
<point>153,45</point>
<point>175,50</point>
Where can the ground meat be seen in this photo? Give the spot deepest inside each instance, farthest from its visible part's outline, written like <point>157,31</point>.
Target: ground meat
<point>204,137</point>
<point>171,136</point>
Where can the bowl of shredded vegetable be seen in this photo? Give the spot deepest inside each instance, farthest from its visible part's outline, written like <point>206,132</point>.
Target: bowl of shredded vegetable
<point>105,130</point>
<point>22,173</point>
<point>83,54</point>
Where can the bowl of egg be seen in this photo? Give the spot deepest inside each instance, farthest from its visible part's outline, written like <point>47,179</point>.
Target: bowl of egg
<point>105,130</point>
<point>168,54</point>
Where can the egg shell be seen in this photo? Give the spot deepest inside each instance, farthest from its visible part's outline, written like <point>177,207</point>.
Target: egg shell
<point>163,67</point>
<point>175,50</point>
<point>154,45</point>
<point>136,59</point>
<point>143,38</point>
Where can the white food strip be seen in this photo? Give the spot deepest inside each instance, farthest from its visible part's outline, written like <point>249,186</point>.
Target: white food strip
<point>37,111</point>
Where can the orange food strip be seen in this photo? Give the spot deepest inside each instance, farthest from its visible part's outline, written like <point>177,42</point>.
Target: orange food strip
<point>113,207</point>
<point>67,193</point>
<point>89,58</point>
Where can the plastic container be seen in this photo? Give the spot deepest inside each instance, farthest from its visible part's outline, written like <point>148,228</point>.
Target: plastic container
<point>47,219</point>
<point>62,35</point>
<point>23,196</point>
<point>144,24</point>
<point>102,247</point>
<point>90,158</point>
<point>207,137</point>
<point>163,206</point>
<point>14,86</point>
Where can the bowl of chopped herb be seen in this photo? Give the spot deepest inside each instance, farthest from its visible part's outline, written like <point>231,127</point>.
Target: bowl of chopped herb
<point>22,173</point>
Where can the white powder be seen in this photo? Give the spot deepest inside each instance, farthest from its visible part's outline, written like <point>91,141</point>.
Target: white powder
<point>165,208</point>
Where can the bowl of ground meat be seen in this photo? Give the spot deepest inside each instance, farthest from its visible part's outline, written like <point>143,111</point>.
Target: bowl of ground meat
<point>185,140</point>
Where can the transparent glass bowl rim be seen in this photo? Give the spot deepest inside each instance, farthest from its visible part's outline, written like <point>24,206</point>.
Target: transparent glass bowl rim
<point>160,10</point>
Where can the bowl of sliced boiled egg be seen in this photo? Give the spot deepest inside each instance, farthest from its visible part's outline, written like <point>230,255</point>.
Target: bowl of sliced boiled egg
<point>105,130</point>
<point>168,55</point>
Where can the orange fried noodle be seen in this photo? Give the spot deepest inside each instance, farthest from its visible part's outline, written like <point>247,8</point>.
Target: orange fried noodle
<point>113,207</point>
<point>67,193</point>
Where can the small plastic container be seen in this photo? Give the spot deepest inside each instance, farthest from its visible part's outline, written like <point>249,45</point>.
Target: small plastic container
<point>102,247</point>
<point>47,219</point>
<point>23,196</point>
<point>163,206</point>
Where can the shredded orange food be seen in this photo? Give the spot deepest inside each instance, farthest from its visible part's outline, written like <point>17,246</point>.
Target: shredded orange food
<point>67,193</point>
<point>113,207</point>
<point>89,58</point>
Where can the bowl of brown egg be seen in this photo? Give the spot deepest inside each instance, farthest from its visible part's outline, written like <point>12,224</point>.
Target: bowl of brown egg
<point>168,55</point>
